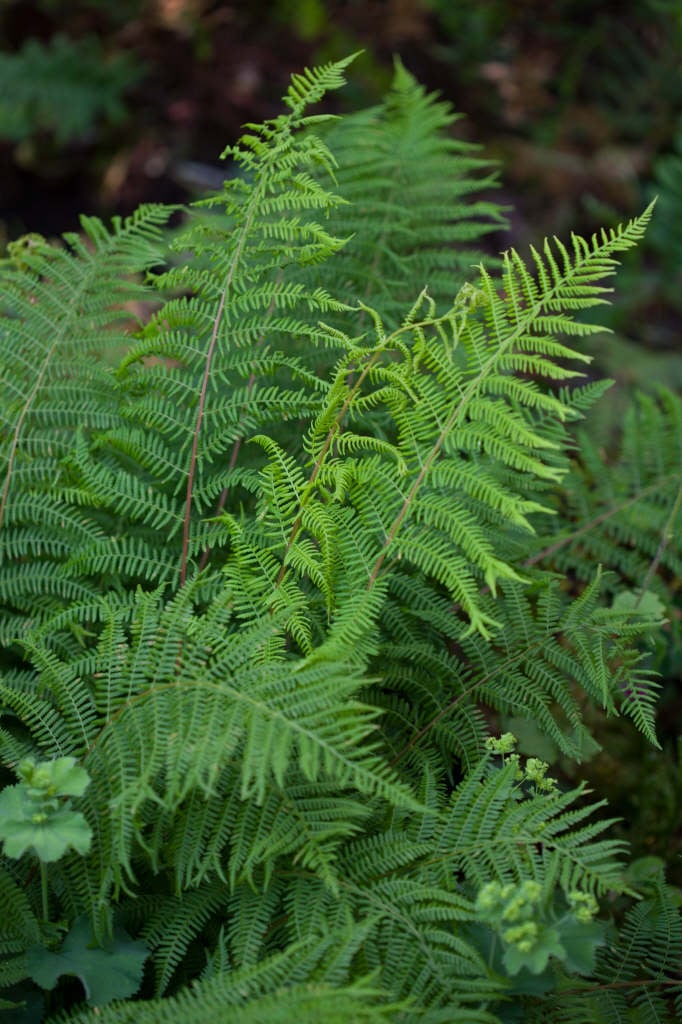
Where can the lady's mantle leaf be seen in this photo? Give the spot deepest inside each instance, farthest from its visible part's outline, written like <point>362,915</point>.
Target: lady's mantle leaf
<point>61,777</point>
<point>48,833</point>
<point>112,971</point>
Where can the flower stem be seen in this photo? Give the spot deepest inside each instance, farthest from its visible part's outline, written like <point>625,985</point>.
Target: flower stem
<point>43,887</point>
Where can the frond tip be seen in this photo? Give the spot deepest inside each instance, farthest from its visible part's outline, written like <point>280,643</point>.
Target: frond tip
<point>309,86</point>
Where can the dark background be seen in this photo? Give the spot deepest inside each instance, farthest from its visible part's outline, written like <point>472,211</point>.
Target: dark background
<point>105,104</point>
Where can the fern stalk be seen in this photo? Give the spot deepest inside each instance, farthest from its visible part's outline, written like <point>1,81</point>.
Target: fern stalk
<point>234,264</point>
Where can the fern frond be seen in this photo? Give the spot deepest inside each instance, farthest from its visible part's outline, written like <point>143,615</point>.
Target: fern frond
<point>272,580</point>
<point>177,921</point>
<point>628,506</point>
<point>64,307</point>
<point>242,267</point>
<point>20,928</point>
<point>175,716</point>
<point>489,834</point>
<point>403,173</point>
<point>289,986</point>
<point>637,977</point>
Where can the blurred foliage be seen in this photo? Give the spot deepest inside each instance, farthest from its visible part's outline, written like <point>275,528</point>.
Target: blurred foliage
<point>665,237</point>
<point>644,785</point>
<point>116,12</point>
<point>579,100</point>
<point>62,87</point>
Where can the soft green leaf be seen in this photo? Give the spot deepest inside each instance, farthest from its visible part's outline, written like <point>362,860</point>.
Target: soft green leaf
<point>61,777</point>
<point>647,604</point>
<point>107,972</point>
<point>535,959</point>
<point>48,833</point>
<point>581,942</point>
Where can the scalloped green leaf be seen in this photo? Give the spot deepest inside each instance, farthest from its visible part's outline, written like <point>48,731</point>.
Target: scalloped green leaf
<point>111,971</point>
<point>49,833</point>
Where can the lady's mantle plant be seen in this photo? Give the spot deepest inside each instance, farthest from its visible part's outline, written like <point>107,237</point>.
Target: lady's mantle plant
<point>275,563</point>
<point>36,816</point>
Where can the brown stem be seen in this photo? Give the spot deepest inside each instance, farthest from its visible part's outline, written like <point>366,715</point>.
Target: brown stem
<point>558,545</point>
<point>512,659</point>
<point>239,440</point>
<point>204,385</point>
<point>226,490</point>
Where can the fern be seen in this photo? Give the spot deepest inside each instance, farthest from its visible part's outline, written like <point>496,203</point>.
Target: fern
<point>307,1002</point>
<point>279,558</point>
<point>629,507</point>
<point>638,977</point>
<point>400,169</point>
<point>63,308</point>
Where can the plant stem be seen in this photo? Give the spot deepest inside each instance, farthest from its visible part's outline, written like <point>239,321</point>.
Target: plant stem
<point>203,391</point>
<point>43,889</point>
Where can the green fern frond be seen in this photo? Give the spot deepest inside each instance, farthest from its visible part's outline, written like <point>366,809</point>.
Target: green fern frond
<point>281,989</point>
<point>489,834</point>
<point>629,506</point>
<point>174,715</point>
<point>52,383</point>
<point>402,171</point>
<point>20,928</point>
<point>177,921</point>
<point>637,976</point>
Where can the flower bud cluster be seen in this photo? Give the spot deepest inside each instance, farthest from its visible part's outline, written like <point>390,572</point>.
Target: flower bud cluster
<point>511,907</point>
<point>583,905</point>
<point>534,771</point>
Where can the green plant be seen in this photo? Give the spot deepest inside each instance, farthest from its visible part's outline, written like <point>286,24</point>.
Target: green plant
<point>62,87</point>
<point>275,579</point>
<point>35,818</point>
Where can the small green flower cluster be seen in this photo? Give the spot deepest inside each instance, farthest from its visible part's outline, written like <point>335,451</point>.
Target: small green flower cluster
<point>503,746</point>
<point>535,770</point>
<point>535,926</point>
<point>512,905</point>
<point>583,905</point>
<point>41,786</point>
<point>523,936</point>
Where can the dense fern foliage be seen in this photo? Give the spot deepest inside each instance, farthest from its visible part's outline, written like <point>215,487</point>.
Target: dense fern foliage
<point>279,561</point>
